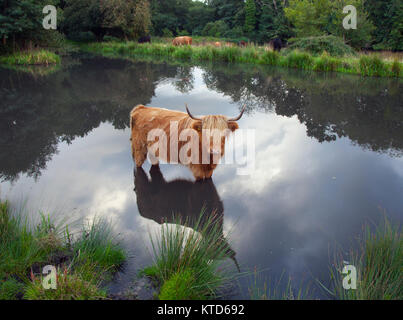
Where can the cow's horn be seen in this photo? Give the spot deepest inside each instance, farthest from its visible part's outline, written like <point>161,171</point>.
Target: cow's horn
<point>240,115</point>
<point>190,115</point>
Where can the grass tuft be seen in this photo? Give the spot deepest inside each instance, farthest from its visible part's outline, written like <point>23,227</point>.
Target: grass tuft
<point>378,261</point>
<point>34,57</point>
<point>189,264</point>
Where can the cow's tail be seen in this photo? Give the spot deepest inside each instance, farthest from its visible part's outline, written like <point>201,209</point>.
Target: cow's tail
<point>132,122</point>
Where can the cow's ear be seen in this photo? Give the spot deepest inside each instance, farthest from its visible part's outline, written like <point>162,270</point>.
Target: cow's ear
<point>232,125</point>
<point>197,125</point>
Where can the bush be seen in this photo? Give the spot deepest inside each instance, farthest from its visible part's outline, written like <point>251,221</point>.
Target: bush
<point>85,36</point>
<point>316,45</point>
<point>215,29</point>
<point>167,33</point>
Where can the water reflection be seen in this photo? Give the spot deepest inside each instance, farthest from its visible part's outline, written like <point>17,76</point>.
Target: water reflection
<point>317,179</point>
<point>37,113</point>
<point>181,200</point>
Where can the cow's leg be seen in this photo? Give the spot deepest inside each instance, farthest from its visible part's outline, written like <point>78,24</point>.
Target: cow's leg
<point>139,152</point>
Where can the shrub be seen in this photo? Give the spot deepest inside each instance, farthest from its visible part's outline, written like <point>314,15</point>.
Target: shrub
<point>167,33</point>
<point>316,45</point>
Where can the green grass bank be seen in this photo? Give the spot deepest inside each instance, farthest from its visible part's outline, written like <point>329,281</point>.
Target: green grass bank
<point>365,65</point>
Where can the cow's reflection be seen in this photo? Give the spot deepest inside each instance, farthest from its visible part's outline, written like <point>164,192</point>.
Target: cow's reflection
<point>179,200</point>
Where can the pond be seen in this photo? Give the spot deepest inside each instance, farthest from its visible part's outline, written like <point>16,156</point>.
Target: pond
<point>328,157</point>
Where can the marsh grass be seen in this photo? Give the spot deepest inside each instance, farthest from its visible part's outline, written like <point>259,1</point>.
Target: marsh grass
<point>378,260</point>
<point>189,264</point>
<point>70,286</point>
<point>21,244</point>
<point>34,57</point>
<point>98,244</point>
<point>277,290</point>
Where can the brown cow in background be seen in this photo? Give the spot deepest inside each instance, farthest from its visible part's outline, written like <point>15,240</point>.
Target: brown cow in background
<point>145,119</point>
<point>180,41</point>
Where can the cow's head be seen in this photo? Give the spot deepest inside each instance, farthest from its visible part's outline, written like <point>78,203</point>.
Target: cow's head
<point>213,130</point>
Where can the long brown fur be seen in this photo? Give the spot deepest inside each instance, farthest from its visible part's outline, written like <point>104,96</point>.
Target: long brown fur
<point>143,119</point>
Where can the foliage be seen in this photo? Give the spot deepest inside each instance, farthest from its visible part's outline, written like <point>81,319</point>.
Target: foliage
<point>321,17</point>
<point>387,16</point>
<point>215,29</point>
<point>119,18</point>
<point>250,16</point>
<point>316,45</point>
<point>21,23</point>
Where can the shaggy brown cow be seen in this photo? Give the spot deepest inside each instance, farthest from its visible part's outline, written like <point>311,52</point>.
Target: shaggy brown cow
<point>180,41</point>
<point>202,163</point>
<point>217,44</point>
<point>182,201</point>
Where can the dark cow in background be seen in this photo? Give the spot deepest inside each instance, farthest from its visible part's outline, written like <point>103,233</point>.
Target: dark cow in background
<point>144,39</point>
<point>277,44</point>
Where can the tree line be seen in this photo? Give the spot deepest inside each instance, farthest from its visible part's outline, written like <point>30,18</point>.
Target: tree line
<point>380,22</point>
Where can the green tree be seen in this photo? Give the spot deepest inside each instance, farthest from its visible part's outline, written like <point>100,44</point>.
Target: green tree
<point>321,17</point>
<point>21,21</point>
<point>272,22</point>
<point>387,16</point>
<point>250,16</point>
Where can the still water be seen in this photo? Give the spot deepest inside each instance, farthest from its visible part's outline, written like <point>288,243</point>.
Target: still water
<point>329,157</point>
